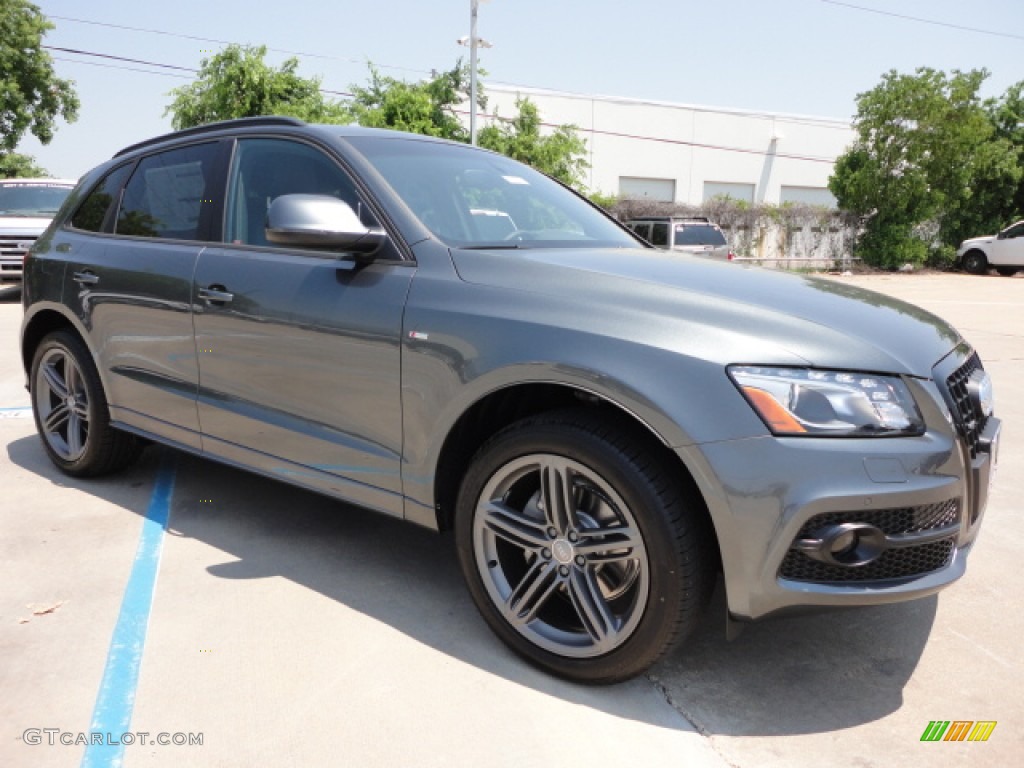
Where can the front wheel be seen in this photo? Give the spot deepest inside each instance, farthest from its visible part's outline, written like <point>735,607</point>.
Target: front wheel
<point>581,550</point>
<point>975,262</point>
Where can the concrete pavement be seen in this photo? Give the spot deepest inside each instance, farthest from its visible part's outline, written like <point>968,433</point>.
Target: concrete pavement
<point>288,629</point>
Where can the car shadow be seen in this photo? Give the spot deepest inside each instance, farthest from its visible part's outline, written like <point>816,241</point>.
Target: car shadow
<point>786,676</point>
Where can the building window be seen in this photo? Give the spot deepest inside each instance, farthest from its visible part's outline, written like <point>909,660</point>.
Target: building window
<point>808,196</point>
<point>736,191</point>
<point>663,190</point>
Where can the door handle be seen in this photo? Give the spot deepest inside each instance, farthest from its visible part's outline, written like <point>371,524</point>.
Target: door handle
<point>85,277</point>
<point>215,294</point>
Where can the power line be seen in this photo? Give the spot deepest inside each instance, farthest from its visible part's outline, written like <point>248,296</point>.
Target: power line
<point>78,52</point>
<point>925,21</point>
<point>119,58</point>
<point>197,38</point>
<point>593,131</point>
<point>118,66</point>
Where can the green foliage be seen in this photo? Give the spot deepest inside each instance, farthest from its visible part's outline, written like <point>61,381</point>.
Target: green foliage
<point>559,154</point>
<point>927,151</point>
<point>31,95</point>
<point>608,202</point>
<point>426,108</point>
<point>237,82</point>
<point>17,166</point>
<point>1007,115</point>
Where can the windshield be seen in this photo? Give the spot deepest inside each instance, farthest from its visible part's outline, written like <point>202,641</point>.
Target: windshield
<point>23,199</point>
<point>471,198</point>
<point>698,234</point>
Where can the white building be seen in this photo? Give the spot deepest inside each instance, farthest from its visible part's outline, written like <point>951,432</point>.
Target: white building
<point>688,154</point>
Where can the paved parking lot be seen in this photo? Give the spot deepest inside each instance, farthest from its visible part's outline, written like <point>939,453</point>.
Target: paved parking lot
<point>286,629</point>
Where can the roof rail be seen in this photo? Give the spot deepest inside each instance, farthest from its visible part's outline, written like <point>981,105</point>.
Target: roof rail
<point>210,127</point>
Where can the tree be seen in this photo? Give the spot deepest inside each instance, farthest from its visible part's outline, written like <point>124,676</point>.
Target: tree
<point>17,166</point>
<point>559,154</point>
<point>426,107</point>
<point>31,95</point>
<point>238,83</point>
<point>431,107</point>
<point>926,169</point>
<point>1007,115</point>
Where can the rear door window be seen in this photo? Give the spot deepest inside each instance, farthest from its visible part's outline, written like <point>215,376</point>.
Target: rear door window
<point>169,193</point>
<point>93,214</point>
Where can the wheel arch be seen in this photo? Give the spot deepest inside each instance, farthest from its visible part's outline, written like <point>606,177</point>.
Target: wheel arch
<point>502,407</point>
<point>41,323</point>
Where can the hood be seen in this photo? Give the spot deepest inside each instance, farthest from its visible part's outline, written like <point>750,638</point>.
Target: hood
<point>720,311</point>
<point>977,241</point>
<point>24,225</point>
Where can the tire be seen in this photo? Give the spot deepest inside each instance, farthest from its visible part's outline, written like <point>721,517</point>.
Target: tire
<point>594,586</point>
<point>1007,271</point>
<point>71,413</point>
<point>975,262</point>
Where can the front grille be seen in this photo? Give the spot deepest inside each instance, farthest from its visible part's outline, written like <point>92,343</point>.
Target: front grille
<point>9,244</point>
<point>967,415</point>
<point>892,564</point>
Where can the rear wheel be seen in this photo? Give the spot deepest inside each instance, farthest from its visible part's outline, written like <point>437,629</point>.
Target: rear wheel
<point>975,262</point>
<point>1006,271</point>
<point>71,412</point>
<point>580,549</point>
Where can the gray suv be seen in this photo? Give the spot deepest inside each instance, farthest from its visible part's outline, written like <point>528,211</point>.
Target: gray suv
<point>439,333</point>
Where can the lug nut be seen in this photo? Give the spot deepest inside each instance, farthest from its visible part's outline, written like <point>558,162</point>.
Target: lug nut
<point>552,533</point>
<point>573,536</point>
<point>581,560</point>
<point>564,570</point>
<point>546,554</point>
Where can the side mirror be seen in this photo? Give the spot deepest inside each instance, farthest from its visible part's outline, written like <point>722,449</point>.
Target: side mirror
<point>320,221</point>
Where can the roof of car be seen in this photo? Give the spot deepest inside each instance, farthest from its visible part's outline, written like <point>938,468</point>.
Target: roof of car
<point>692,219</point>
<point>274,122</point>
<point>40,181</point>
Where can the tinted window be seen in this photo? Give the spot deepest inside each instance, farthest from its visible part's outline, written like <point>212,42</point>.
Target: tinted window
<point>659,234</point>
<point>1015,231</point>
<point>21,199</point>
<point>698,234</point>
<point>166,194</point>
<point>92,213</point>
<point>445,184</point>
<point>265,169</point>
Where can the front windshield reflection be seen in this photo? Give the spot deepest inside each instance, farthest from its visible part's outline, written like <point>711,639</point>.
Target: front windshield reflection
<point>471,198</point>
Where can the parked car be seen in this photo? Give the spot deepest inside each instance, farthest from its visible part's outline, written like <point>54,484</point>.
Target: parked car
<point>1004,251</point>
<point>604,426</point>
<point>26,207</point>
<point>689,234</point>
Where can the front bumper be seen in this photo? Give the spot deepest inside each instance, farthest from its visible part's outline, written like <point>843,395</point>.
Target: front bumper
<point>920,500</point>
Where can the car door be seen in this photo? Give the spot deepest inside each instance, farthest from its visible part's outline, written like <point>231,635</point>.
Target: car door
<point>132,248</point>
<point>299,351</point>
<point>1008,249</point>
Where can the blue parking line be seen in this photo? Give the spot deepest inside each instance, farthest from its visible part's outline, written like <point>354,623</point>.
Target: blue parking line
<point>112,715</point>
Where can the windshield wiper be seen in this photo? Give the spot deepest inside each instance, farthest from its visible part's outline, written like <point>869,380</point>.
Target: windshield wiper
<point>493,247</point>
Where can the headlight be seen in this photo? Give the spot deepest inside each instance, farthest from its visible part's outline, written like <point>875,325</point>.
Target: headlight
<point>802,401</point>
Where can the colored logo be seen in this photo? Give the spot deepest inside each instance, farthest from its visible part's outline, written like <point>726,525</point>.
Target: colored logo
<point>958,730</point>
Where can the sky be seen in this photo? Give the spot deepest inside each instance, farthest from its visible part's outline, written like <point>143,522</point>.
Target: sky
<point>807,57</point>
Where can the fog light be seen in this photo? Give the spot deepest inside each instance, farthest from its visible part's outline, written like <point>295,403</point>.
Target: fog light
<point>847,544</point>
